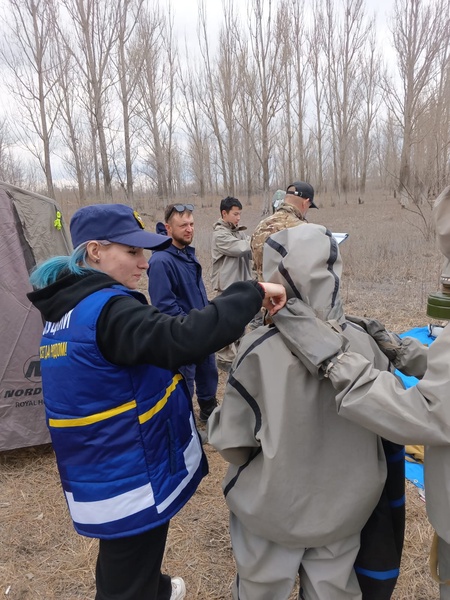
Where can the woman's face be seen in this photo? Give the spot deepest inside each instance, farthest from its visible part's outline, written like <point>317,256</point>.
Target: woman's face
<point>123,263</point>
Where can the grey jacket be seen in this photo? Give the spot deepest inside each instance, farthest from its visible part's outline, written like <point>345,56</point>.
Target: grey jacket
<point>231,255</point>
<point>300,475</point>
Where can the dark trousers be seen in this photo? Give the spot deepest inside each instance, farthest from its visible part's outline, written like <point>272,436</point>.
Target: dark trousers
<point>377,565</point>
<point>130,568</point>
<point>205,377</point>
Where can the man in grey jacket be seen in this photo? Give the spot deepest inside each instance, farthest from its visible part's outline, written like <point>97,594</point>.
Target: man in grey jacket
<point>302,482</point>
<point>231,259</point>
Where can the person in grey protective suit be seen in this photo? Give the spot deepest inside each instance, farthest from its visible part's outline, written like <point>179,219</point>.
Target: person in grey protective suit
<point>302,482</point>
<point>377,401</point>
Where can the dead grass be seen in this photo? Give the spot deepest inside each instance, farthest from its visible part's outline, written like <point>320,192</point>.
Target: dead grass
<point>389,271</point>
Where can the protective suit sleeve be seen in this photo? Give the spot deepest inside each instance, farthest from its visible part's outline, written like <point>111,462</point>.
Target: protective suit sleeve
<point>377,400</point>
<point>406,354</point>
<point>317,344</point>
<point>412,357</point>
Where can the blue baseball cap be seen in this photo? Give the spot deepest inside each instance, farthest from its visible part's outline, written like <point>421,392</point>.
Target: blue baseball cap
<point>115,223</point>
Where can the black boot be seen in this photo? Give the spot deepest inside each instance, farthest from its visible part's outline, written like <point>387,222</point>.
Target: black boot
<point>206,409</point>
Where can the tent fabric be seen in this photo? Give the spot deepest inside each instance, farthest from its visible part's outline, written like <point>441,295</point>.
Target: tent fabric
<point>27,236</point>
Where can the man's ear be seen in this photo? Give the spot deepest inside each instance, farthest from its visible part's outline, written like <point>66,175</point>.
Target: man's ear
<point>168,229</point>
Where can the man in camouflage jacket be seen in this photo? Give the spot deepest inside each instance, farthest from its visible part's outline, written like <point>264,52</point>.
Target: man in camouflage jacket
<point>292,212</point>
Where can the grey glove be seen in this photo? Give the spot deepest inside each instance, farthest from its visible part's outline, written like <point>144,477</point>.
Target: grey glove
<point>388,342</point>
<point>311,340</point>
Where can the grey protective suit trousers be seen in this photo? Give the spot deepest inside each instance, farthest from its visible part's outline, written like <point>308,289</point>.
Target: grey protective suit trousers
<point>268,571</point>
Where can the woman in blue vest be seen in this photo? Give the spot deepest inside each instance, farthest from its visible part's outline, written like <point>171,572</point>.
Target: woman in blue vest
<point>119,413</point>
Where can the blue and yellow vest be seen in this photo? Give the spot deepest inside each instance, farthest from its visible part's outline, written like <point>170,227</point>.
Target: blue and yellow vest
<point>128,452</point>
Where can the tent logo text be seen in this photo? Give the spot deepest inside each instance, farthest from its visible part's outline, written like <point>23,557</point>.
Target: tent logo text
<point>32,369</point>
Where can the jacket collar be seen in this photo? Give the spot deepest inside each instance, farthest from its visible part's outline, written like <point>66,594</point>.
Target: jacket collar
<point>188,252</point>
<point>292,209</point>
<point>231,226</point>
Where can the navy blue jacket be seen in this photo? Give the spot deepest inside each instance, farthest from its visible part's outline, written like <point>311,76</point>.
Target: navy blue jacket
<point>175,281</point>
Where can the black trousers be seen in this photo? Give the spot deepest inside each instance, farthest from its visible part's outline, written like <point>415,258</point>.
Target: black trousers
<point>377,565</point>
<point>130,568</point>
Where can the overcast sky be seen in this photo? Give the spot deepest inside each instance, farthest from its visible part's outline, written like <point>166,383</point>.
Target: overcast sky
<point>186,11</point>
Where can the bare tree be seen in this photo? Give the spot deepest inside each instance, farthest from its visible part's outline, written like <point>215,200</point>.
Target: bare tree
<point>128,64</point>
<point>10,166</point>
<point>314,39</point>
<point>263,81</point>
<point>171,50</point>
<point>28,53</point>
<point>226,88</point>
<point>92,39</point>
<point>387,142</point>
<point>370,104</point>
<point>420,31</point>
<point>157,98</point>
<point>344,43</point>
<point>434,128</point>
<point>285,142</point>
<point>195,128</point>
<point>273,97</point>
<point>246,117</point>
<point>209,101</point>
<point>297,40</point>
<point>64,96</point>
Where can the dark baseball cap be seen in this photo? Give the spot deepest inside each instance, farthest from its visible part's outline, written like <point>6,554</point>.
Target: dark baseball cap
<point>115,223</point>
<point>302,190</point>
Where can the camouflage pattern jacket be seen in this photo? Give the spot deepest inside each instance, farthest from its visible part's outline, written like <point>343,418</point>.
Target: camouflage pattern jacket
<point>286,216</point>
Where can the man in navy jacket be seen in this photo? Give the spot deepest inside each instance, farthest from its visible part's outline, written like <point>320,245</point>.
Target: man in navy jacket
<point>176,287</point>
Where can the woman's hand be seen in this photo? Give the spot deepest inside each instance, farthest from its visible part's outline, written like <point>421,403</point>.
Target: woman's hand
<point>275,297</point>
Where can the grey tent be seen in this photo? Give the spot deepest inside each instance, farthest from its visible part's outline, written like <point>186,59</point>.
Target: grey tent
<point>31,230</point>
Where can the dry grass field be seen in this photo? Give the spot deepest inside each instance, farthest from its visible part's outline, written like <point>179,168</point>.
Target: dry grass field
<point>389,270</point>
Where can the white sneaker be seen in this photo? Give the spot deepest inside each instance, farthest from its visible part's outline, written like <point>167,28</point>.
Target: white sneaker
<point>178,589</point>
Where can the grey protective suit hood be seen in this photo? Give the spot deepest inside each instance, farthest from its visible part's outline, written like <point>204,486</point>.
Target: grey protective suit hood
<point>307,262</point>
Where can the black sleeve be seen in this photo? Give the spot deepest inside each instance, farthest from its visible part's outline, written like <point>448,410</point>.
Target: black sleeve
<point>130,333</point>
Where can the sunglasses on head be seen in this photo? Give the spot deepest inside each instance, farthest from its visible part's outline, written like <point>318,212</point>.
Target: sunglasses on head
<point>180,208</point>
